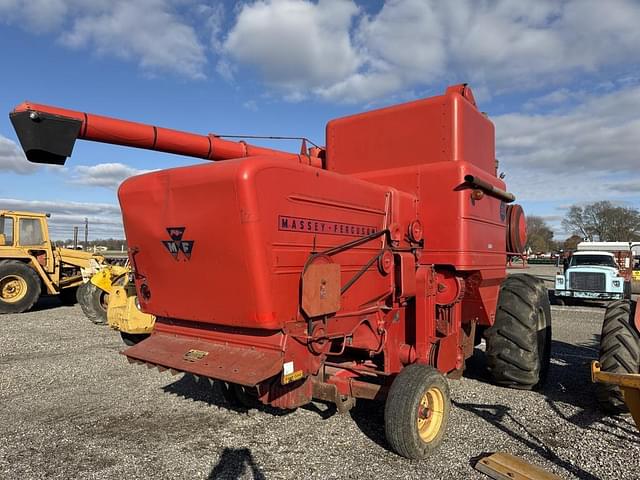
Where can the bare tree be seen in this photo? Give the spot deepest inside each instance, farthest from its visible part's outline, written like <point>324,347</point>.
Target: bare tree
<point>603,221</point>
<point>539,235</point>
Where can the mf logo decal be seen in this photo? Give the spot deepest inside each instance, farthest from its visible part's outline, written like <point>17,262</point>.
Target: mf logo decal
<point>177,244</point>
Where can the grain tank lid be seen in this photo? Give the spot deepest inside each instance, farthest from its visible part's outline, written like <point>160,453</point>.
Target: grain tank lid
<point>232,363</point>
<point>446,127</point>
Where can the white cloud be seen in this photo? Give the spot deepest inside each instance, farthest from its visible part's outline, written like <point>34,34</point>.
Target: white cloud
<point>503,45</point>
<point>108,175</point>
<point>105,219</point>
<point>251,105</point>
<point>585,154</point>
<point>12,158</point>
<point>600,135</point>
<point>295,44</point>
<point>37,15</point>
<point>149,32</point>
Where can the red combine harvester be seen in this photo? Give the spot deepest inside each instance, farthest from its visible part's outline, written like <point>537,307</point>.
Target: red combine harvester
<point>366,269</point>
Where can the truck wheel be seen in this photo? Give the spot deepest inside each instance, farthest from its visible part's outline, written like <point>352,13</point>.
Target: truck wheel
<point>93,302</point>
<point>416,411</point>
<point>69,296</point>
<point>519,341</point>
<point>20,287</point>
<point>131,339</point>
<point>619,352</point>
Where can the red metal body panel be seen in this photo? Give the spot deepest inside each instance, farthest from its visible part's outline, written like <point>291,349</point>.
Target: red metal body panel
<point>255,223</point>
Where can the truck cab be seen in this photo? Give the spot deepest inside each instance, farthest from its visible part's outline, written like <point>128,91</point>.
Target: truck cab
<point>592,275</point>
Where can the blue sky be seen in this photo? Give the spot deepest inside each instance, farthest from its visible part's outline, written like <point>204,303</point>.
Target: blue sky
<point>560,79</point>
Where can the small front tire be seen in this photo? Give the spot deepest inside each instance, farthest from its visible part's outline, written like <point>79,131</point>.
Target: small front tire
<point>416,412</point>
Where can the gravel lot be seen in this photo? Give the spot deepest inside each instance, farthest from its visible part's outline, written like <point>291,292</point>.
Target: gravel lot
<point>72,407</point>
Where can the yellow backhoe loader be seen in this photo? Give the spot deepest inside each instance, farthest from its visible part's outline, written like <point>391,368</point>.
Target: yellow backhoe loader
<point>30,265</point>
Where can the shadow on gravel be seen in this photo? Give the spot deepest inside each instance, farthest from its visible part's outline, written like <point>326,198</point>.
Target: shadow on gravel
<point>202,391</point>
<point>568,383</point>
<point>368,415</point>
<point>233,464</point>
<point>496,416</point>
<point>46,302</point>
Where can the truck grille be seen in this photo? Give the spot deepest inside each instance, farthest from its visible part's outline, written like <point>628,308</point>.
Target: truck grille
<point>588,281</point>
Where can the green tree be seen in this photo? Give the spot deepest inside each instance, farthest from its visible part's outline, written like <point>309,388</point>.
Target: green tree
<point>603,221</point>
<point>539,235</point>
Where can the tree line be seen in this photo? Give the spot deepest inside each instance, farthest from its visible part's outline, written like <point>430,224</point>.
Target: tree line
<point>600,221</point>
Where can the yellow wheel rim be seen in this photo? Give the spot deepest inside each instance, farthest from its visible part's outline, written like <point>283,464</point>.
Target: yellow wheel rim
<point>430,414</point>
<point>12,288</point>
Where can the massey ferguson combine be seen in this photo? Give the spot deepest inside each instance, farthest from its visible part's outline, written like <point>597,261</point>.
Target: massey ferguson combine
<point>366,269</point>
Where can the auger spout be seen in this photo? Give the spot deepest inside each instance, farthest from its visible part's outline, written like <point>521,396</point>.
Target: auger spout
<point>47,135</point>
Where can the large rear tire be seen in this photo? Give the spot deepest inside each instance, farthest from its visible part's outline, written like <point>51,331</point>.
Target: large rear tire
<point>20,287</point>
<point>416,412</point>
<point>619,352</point>
<point>519,341</point>
<point>93,302</point>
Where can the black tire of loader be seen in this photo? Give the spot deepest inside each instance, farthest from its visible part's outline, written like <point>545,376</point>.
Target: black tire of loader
<point>619,352</point>
<point>91,301</point>
<point>32,280</point>
<point>519,342</point>
<point>131,339</point>
<point>69,296</point>
<point>401,411</point>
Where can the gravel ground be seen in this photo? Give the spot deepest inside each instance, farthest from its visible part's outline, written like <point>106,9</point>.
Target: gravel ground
<point>72,407</point>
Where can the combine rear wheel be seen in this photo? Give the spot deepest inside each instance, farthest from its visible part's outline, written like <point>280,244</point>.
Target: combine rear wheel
<point>619,352</point>
<point>416,412</point>
<point>93,302</point>
<point>519,342</point>
<point>19,287</point>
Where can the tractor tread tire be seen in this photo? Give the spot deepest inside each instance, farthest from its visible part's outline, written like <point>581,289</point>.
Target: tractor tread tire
<point>519,342</point>
<point>89,299</point>
<point>619,352</point>
<point>401,410</point>
<point>32,279</point>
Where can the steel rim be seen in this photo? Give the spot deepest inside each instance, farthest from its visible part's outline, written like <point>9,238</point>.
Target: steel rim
<point>430,414</point>
<point>13,288</point>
